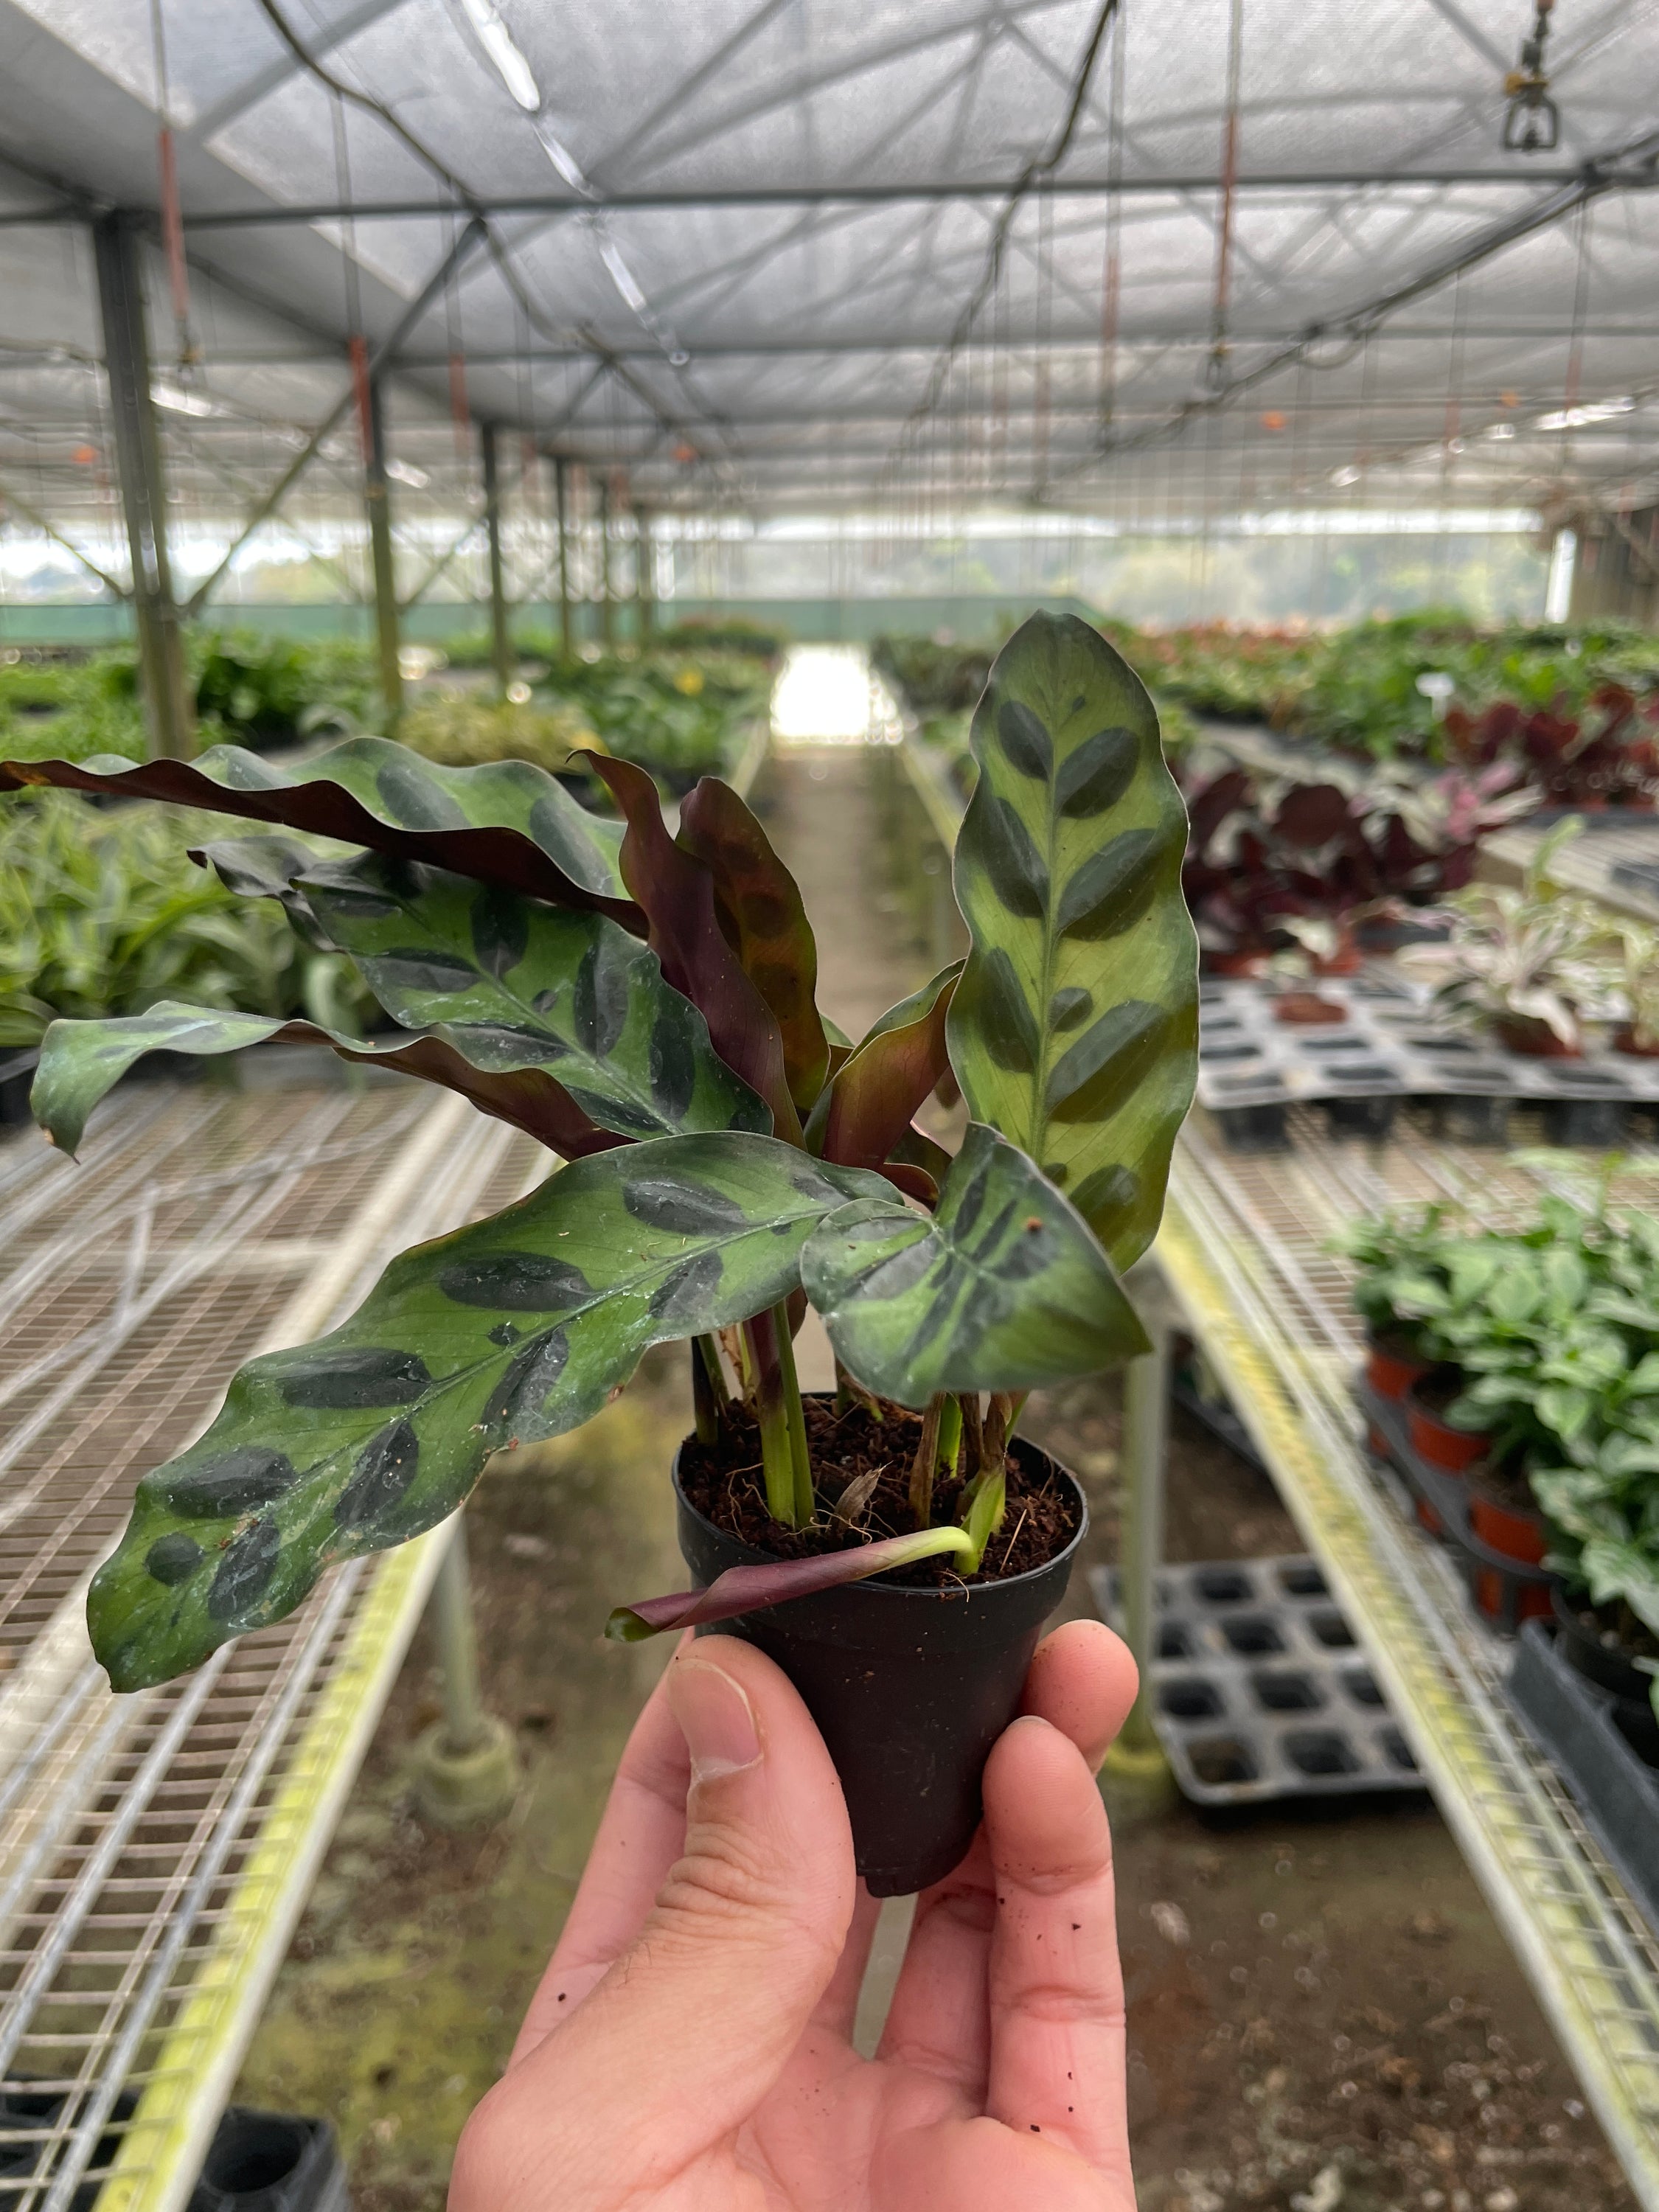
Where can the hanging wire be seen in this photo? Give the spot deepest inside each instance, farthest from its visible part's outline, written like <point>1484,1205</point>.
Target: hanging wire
<point>1216,370</point>
<point>172,226</point>
<point>1112,281</point>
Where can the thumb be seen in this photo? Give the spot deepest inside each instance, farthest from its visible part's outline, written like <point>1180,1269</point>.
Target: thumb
<point>711,1998</point>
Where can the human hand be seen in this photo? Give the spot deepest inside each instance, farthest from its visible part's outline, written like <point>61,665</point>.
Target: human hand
<point>690,2047</point>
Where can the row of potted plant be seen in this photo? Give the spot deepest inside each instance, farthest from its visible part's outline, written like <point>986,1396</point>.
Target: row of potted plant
<point>1527,1364</point>
<point>1575,710</point>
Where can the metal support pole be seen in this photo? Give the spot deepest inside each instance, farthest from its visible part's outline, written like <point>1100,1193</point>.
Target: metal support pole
<point>466,1724</point>
<point>1145,1432</point>
<point>375,499</point>
<point>466,1771</point>
<point>562,498</point>
<point>501,643</point>
<point>645,582</point>
<point>607,602</point>
<point>144,495</point>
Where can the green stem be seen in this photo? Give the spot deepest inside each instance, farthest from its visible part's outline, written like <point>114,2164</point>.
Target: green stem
<point>777,1452</point>
<point>805,1504</point>
<point>950,1437</point>
<point>850,1392</point>
<point>922,1468</point>
<point>986,1507</point>
<point>704,1405</point>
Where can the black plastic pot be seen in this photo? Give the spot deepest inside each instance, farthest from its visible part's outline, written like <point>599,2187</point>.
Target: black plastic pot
<point>16,1074</point>
<point>910,1688</point>
<point>1607,1667</point>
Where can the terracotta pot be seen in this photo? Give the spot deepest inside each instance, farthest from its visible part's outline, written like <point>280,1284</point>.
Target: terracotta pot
<point>1624,1040</point>
<point>1390,1368</point>
<point>910,1687</point>
<point>1234,963</point>
<point>1534,1040</point>
<point>1347,960</point>
<point>1518,1532</point>
<point>1452,1450</point>
<point>1306,1009</point>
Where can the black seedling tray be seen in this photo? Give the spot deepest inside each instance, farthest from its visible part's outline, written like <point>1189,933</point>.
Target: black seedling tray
<point>1259,1690</point>
<point>1390,1047</point>
<point>1449,1497</point>
<point>1572,1721</point>
<point>257,2162</point>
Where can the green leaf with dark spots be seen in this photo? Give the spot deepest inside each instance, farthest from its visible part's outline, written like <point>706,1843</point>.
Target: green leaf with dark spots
<point>380,1431</point>
<point>505,822</point>
<point>82,1060</point>
<point>1005,1289</point>
<point>1074,1029</point>
<point>512,984</point>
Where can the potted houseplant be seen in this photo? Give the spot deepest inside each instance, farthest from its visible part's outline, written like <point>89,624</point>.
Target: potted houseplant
<point>1522,962</point>
<point>644,1005</point>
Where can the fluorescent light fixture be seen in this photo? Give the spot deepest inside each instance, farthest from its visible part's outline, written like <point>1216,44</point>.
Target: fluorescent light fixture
<point>178,400</point>
<point>1347,475</point>
<point>622,276</point>
<point>563,160</point>
<point>1594,411</point>
<point>493,35</point>
<point>1499,431</point>
<point>404,473</point>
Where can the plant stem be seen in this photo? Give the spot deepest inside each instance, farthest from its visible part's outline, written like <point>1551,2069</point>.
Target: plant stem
<point>850,1392</point>
<point>987,1506</point>
<point>777,1452</point>
<point>805,1504</point>
<point>922,1468</point>
<point>950,1436</point>
<point>973,1434</point>
<point>709,1395</point>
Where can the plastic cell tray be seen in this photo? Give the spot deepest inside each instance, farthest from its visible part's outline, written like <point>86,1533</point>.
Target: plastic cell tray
<point>1258,1689</point>
<point>1387,1047</point>
<point>1572,1720</point>
<point>1501,1588</point>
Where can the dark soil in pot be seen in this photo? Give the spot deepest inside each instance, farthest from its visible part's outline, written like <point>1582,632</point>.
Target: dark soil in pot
<point>910,1677</point>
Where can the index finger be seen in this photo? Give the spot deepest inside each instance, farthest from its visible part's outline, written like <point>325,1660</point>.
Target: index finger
<point>1055,1984</point>
<point>641,1833</point>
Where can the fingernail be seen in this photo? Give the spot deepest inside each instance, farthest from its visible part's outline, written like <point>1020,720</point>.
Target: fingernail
<point>714,1719</point>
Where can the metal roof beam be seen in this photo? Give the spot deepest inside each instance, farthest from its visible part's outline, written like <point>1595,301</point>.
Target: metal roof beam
<point>919,190</point>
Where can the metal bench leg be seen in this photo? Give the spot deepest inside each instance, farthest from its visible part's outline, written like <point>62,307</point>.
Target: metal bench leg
<point>466,1770</point>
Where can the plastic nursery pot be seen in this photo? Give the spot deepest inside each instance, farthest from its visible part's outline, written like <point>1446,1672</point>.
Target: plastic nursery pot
<point>909,1687</point>
<point>1391,1367</point>
<point>1625,1040</point>
<point>1533,1039</point>
<point>1588,1642</point>
<point>1517,1532</point>
<point>1234,963</point>
<point>1434,1439</point>
<point>1307,1010</point>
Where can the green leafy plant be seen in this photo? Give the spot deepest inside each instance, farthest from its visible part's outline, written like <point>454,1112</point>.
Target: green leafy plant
<point>1527,961</point>
<point>101,913</point>
<point>645,1006</point>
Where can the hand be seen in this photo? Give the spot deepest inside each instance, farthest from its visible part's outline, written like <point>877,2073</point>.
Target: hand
<point>690,2047</point>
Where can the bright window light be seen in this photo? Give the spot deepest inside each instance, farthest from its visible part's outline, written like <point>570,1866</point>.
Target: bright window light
<point>1594,411</point>
<point>404,473</point>
<point>493,35</point>
<point>179,401</point>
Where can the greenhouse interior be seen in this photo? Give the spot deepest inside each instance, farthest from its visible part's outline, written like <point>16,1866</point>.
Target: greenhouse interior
<point>1023,637</point>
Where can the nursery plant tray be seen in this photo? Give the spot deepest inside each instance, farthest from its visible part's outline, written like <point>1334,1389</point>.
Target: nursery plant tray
<point>1260,1691</point>
<point>1388,1047</point>
<point>1572,1720</point>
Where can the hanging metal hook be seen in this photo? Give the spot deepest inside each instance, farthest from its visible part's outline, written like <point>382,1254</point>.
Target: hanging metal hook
<point>1532,121</point>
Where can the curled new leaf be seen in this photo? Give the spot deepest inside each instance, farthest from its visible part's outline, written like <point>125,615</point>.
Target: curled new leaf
<point>754,1590</point>
<point>1005,1289</point>
<point>515,1328</point>
<point>867,1109</point>
<point>504,823</point>
<point>761,911</point>
<point>1074,1029</point>
<point>677,893</point>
